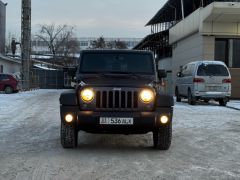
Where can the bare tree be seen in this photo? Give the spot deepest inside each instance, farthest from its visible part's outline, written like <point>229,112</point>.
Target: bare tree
<point>60,40</point>
<point>120,44</point>
<point>100,43</point>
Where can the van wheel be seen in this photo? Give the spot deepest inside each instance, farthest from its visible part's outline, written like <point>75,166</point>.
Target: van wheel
<point>223,102</point>
<point>8,90</point>
<point>177,95</point>
<point>206,100</point>
<point>191,99</point>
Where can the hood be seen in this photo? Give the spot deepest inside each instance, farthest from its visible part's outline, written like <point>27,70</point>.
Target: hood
<point>116,80</point>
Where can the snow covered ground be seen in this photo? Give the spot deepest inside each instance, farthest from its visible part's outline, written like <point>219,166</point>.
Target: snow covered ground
<point>206,144</point>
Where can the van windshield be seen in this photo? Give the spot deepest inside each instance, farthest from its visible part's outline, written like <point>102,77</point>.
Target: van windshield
<point>117,63</point>
<point>212,70</point>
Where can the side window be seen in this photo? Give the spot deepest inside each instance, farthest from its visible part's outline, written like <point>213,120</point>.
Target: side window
<point>185,70</point>
<point>4,76</point>
<point>1,77</point>
<point>191,70</point>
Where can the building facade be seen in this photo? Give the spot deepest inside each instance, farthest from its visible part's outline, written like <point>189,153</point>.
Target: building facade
<point>9,65</point>
<point>199,30</point>
<point>2,26</point>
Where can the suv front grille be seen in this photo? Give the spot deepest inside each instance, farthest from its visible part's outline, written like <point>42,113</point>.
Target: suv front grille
<point>117,100</point>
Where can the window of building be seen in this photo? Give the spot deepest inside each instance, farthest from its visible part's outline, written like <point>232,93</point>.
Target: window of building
<point>83,43</point>
<point>228,51</point>
<point>221,50</point>
<point>236,53</point>
<point>1,68</point>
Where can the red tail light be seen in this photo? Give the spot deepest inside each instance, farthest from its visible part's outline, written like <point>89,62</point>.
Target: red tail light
<point>227,81</point>
<point>198,80</point>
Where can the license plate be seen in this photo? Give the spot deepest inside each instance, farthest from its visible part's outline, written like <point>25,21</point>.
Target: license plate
<point>116,121</point>
<point>213,88</point>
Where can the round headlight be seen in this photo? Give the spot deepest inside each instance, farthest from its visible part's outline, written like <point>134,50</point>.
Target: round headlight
<point>68,118</point>
<point>87,95</point>
<point>147,96</point>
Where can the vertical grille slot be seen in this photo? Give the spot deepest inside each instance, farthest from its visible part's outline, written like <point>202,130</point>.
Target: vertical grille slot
<point>104,99</point>
<point>110,99</point>
<point>98,99</point>
<point>135,99</point>
<point>123,99</point>
<point>117,99</point>
<point>129,99</point>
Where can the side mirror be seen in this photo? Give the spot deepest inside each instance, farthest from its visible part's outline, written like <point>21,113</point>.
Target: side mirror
<point>179,74</point>
<point>162,73</point>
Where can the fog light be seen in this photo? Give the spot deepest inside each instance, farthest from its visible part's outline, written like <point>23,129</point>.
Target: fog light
<point>164,119</point>
<point>68,118</point>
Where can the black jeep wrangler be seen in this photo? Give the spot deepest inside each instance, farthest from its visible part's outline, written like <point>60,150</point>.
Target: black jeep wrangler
<point>117,92</point>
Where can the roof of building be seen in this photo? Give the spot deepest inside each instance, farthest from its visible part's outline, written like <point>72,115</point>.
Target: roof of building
<point>172,10</point>
<point>4,58</point>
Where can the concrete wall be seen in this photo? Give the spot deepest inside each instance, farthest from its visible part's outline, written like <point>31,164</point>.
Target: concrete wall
<point>235,73</point>
<point>2,27</point>
<point>185,51</point>
<point>165,64</point>
<point>189,25</point>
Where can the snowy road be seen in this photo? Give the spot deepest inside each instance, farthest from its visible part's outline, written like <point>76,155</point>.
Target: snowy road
<point>206,145</point>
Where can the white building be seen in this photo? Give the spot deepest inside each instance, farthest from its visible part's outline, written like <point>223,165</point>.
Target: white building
<point>9,65</point>
<point>196,30</point>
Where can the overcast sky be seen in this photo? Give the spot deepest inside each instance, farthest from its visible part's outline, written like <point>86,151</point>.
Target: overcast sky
<point>91,18</point>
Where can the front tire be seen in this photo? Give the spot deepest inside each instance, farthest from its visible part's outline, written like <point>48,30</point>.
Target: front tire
<point>162,137</point>
<point>191,99</point>
<point>69,135</point>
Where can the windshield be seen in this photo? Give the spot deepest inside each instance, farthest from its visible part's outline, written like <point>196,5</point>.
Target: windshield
<point>212,70</point>
<point>138,63</point>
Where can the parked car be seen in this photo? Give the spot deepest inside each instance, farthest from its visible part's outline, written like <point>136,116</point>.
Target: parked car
<point>8,83</point>
<point>204,80</point>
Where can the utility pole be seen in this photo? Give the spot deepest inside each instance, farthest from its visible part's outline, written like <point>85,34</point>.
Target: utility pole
<point>26,42</point>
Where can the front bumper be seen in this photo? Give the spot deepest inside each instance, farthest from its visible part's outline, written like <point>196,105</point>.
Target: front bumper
<point>143,122</point>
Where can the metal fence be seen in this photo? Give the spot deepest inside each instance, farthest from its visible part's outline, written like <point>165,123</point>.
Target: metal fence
<point>46,79</point>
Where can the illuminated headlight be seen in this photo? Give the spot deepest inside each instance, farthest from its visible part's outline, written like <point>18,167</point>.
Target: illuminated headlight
<point>87,95</point>
<point>147,96</point>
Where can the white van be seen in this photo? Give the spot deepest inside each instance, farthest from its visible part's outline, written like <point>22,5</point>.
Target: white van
<point>204,80</point>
